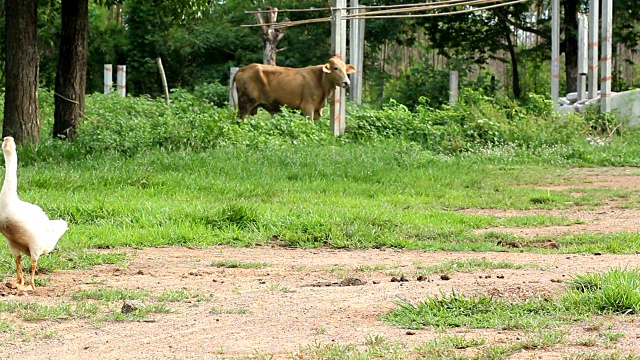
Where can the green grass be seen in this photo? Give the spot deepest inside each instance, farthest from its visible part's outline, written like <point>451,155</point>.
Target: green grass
<point>238,264</point>
<point>469,265</point>
<point>343,195</point>
<point>110,294</point>
<point>177,295</point>
<point>31,311</point>
<point>239,310</point>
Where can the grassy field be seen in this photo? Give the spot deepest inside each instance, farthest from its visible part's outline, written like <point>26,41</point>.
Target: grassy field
<point>339,195</point>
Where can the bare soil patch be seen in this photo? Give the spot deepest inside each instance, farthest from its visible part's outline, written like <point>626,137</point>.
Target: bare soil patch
<point>307,296</point>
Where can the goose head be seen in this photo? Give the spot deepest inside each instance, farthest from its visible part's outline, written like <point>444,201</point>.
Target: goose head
<point>8,145</point>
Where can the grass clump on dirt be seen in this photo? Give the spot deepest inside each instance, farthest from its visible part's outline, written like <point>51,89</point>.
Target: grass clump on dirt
<point>615,292</point>
<point>469,265</point>
<point>238,264</point>
<point>110,294</point>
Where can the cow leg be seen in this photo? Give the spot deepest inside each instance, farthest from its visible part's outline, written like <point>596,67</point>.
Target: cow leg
<point>317,114</point>
<point>308,111</point>
<point>245,109</point>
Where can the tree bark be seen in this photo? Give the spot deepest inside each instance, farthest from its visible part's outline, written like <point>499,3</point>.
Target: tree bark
<point>71,77</point>
<point>271,35</point>
<point>517,92</point>
<point>21,64</point>
<point>571,44</point>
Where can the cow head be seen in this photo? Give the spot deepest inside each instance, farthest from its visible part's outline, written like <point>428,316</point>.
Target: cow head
<point>337,71</point>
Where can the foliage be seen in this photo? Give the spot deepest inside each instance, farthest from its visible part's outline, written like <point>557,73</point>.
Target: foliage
<point>475,121</point>
<point>428,86</point>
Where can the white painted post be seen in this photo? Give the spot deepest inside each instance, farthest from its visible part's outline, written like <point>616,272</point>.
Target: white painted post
<point>122,80</point>
<point>593,47</point>
<point>555,51</point>
<point>163,78</point>
<point>583,31</point>
<point>338,47</point>
<point>108,78</point>
<point>356,50</point>
<point>360,65</point>
<point>453,87</point>
<point>233,93</point>
<point>605,61</point>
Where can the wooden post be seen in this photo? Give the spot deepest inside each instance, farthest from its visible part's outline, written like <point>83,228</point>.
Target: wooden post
<point>555,51</point>
<point>338,47</point>
<point>582,56</point>
<point>122,80</point>
<point>164,81</point>
<point>605,61</point>
<point>453,87</point>
<point>108,78</point>
<point>593,47</point>
<point>233,94</point>
<point>356,52</point>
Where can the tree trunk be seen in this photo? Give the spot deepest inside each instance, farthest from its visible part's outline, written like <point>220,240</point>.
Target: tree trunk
<point>571,44</point>
<point>21,64</point>
<point>517,92</point>
<point>271,35</point>
<point>71,78</point>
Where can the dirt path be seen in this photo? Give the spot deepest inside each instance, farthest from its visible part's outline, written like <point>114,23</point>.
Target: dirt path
<point>296,300</point>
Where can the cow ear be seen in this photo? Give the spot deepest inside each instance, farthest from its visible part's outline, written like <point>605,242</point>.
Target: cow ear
<point>350,69</point>
<point>327,68</point>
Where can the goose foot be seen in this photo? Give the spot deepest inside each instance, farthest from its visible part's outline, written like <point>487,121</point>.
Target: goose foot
<point>16,285</point>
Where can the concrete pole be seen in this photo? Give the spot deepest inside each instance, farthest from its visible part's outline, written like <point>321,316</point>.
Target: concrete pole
<point>356,52</point>
<point>338,47</point>
<point>122,80</point>
<point>583,31</point>
<point>605,60</point>
<point>233,93</point>
<point>555,51</point>
<point>453,88</point>
<point>594,10</point>
<point>108,78</point>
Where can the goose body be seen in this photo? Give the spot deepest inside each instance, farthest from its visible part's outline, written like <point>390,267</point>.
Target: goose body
<point>27,229</point>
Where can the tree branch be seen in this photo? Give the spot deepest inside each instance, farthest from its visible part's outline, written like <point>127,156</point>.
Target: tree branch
<point>502,16</point>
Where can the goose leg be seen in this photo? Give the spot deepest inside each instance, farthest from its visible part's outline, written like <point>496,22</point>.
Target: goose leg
<point>32,284</point>
<point>19,281</point>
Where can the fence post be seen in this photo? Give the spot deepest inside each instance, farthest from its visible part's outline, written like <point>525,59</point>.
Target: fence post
<point>605,51</point>
<point>356,52</point>
<point>338,47</point>
<point>453,87</point>
<point>163,78</point>
<point>582,55</point>
<point>108,78</point>
<point>233,93</point>
<point>122,80</point>
<point>593,47</point>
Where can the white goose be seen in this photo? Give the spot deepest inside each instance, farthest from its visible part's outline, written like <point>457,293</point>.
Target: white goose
<point>26,227</point>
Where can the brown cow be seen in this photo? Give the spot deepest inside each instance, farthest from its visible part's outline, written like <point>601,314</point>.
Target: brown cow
<point>306,89</point>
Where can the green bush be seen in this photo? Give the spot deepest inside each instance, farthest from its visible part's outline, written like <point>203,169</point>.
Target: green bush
<point>496,128</point>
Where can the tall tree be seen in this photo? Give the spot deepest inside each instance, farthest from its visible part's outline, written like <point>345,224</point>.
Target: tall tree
<point>71,77</point>
<point>21,93</point>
